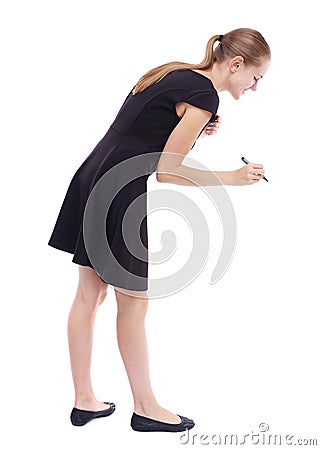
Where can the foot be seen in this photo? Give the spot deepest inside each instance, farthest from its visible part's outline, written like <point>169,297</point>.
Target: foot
<point>158,413</point>
<point>142,423</point>
<point>81,416</point>
<point>91,405</point>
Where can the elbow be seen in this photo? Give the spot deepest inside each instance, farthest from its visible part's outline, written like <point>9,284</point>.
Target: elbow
<point>161,177</point>
<point>167,175</point>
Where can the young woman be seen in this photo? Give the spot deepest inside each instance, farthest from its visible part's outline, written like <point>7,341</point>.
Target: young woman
<point>168,109</point>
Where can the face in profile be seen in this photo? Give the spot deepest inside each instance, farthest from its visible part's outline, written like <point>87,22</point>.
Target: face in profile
<point>244,77</point>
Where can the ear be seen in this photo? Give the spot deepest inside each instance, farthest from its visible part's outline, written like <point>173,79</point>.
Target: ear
<point>235,63</point>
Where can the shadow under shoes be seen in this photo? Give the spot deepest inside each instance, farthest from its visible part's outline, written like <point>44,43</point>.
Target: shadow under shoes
<point>141,423</point>
<point>80,417</point>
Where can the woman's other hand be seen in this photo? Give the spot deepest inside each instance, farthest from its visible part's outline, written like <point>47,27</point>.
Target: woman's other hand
<point>212,127</point>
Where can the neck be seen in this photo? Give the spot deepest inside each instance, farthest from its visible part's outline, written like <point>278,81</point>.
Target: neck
<point>215,74</point>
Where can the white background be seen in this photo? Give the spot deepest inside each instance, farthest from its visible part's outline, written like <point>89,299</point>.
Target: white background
<point>230,356</point>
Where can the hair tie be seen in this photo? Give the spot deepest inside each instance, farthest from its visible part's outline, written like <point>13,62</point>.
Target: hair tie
<point>220,38</point>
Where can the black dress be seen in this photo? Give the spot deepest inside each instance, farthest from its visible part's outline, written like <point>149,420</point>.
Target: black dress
<point>113,178</point>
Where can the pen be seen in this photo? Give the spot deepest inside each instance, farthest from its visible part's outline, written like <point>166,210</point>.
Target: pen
<point>248,162</point>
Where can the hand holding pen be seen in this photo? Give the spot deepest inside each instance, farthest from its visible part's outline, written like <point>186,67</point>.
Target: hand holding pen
<point>257,165</point>
<point>249,174</point>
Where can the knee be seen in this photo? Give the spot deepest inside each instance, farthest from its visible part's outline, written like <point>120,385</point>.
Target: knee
<point>91,289</point>
<point>133,305</point>
<point>92,296</point>
<point>102,295</point>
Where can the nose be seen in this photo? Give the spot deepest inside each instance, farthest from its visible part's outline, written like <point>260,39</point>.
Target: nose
<point>254,86</point>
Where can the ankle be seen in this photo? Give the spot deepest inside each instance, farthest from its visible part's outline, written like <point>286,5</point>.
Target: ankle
<point>146,407</point>
<point>84,397</point>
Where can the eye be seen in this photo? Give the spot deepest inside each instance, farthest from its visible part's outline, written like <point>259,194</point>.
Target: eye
<point>255,80</point>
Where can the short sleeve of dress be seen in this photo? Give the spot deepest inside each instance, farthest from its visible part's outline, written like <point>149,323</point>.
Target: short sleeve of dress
<point>207,100</point>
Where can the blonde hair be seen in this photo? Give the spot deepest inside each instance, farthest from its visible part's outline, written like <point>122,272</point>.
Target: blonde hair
<point>245,42</point>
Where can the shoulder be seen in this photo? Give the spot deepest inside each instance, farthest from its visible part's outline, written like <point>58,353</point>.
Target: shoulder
<point>191,80</point>
<point>180,85</point>
<point>195,84</point>
<point>198,89</point>
<point>201,92</point>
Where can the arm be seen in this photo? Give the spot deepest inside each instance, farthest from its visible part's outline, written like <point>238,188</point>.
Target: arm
<point>171,170</point>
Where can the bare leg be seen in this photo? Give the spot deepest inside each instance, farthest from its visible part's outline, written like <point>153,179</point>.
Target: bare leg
<point>91,292</point>
<point>133,348</point>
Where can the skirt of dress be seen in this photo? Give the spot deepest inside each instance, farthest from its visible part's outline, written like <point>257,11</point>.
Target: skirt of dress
<point>103,218</point>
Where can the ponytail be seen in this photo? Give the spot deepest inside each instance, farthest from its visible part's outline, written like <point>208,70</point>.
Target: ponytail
<point>156,74</point>
<point>244,42</point>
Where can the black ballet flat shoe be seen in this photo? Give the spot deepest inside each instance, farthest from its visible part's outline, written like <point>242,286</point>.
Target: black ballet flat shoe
<point>141,423</point>
<point>80,417</point>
